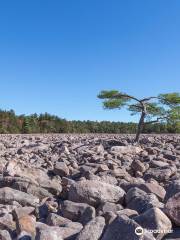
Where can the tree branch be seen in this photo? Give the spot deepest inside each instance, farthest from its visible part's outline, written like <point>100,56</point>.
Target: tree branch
<point>157,120</point>
<point>147,99</point>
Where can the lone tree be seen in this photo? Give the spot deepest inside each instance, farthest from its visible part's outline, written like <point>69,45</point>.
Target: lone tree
<point>161,108</point>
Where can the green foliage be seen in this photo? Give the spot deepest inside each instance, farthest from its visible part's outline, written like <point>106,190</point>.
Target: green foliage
<point>174,114</point>
<point>113,99</point>
<point>46,123</point>
<point>170,99</point>
<point>113,103</point>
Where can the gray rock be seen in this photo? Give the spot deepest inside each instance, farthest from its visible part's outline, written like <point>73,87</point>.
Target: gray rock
<point>140,201</point>
<point>78,212</point>
<point>48,234</point>
<point>124,228</point>
<point>92,230</point>
<point>172,188</point>
<point>61,169</point>
<point>8,195</point>
<point>172,208</point>
<point>95,192</point>
<point>108,207</point>
<point>4,235</point>
<point>155,219</point>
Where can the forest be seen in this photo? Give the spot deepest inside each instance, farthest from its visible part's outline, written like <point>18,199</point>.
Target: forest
<point>47,123</point>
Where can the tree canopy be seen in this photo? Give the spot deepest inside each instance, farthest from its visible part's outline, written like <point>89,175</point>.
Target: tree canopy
<point>162,108</point>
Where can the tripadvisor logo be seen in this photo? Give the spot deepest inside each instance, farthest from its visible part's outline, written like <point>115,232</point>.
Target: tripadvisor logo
<point>139,231</point>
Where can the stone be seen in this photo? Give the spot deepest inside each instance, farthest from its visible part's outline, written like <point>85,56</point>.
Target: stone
<point>160,174</point>
<point>128,212</point>
<point>95,192</point>
<point>138,166</point>
<point>172,188</point>
<point>140,201</point>
<point>4,235</point>
<point>126,149</point>
<point>108,207</point>
<point>124,228</point>
<point>56,220</point>
<point>26,224</point>
<point>7,223</point>
<point>22,211</point>
<point>155,219</point>
<point>48,234</point>
<point>61,169</point>
<point>172,208</point>
<point>92,230</point>
<point>148,187</point>
<point>8,195</point>
<point>70,230</point>
<point>77,212</point>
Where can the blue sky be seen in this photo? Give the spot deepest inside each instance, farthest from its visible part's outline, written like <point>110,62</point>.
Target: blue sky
<point>56,55</point>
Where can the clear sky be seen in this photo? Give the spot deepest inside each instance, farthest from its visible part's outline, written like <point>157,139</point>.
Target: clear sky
<point>56,55</point>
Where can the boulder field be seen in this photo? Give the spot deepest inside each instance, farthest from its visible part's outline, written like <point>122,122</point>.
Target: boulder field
<point>89,187</point>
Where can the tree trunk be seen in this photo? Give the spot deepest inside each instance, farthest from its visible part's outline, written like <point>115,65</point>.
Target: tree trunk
<point>140,124</point>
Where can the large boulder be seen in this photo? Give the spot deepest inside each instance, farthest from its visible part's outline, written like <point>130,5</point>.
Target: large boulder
<point>95,192</point>
<point>148,187</point>
<point>124,228</point>
<point>78,212</point>
<point>8,195</point>
<point>155,219</point>
<point>92,230</point>
<point>61,169</point>
<point>141,201</point>
<point>172,188</point>
<point>172,208</point>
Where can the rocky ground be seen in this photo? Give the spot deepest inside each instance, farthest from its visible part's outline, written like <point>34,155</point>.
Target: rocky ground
<point>89,187</point>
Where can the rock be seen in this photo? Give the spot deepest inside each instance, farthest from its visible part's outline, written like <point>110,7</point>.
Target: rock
<point>138,166</point>
<point>172,208</point>
<point>26,224</point>
<point>7,223</point>
<point>160,174</point>
<point>128,212</point>
<point>103,168</point>
<point>60,186</point>
<point>148,187</point>
<point>22,211</point>
<point>92,230</point>
<point>155,219</point>
<point>124,228</point>
<point>77,212</point>
<point>48,234</point>
<point>61,169</point>
<point>70,230</point>
<point>95,192</point>
<point>140,201</point>
<point>126,149</point>
<point>108,207</point>
<point>8,195</point>
<point>4,235</point>
<point>155,163</point>
<point>169,156</point>
<point>56,220</point>
<point>172,188</point>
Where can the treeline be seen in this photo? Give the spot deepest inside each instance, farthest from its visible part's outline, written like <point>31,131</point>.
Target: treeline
<point>46,123</point>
